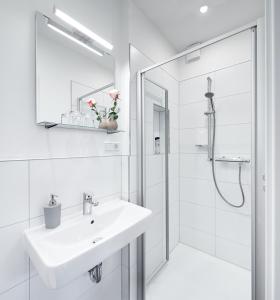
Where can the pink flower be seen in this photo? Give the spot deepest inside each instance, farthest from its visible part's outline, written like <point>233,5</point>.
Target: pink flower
<point>114,94</point>
<point>91,103</point>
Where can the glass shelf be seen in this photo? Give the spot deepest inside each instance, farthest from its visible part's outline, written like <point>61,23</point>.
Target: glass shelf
<point>49,125</point>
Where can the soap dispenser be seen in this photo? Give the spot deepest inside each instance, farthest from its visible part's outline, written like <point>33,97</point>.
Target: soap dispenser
<point>52,213</point>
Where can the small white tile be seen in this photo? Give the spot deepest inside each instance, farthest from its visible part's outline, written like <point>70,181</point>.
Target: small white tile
<point>13,192</point>
<point>200,240</point>
<point>198,191</point>
<point>14,261</point>
<point>233,80</point>
<point>197,217</point>
<point>234,253</point>
<point>234,227</point>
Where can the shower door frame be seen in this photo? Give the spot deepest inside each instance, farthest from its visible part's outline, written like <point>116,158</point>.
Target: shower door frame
<point>141,192</point>
<point>141,280</point>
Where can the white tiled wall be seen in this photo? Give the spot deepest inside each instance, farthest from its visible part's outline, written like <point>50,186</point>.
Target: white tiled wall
<point>25,188</point>
<point>206,222</point>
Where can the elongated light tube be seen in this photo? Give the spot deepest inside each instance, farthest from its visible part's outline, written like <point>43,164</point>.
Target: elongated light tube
<point>69,20</point>
<point>70,37</point>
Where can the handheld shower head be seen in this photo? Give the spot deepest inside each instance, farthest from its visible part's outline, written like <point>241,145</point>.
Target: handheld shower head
<point>209,94</point>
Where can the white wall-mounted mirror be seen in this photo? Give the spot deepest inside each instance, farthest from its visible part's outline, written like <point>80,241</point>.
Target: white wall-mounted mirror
<point>70,71</point>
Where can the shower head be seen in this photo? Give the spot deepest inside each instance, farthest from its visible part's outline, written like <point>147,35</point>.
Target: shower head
<point>209,94</point>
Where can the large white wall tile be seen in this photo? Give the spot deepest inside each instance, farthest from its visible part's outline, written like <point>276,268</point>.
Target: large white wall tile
<point>13,259</point>
<point>13,192</point>
<point>227,52</point>
<point>133,173</point>
<point>194,89</point>
<point>190,138</point>
<point>195,166</point>
<point>79,287</point>
<point>155,197</point>
<point>156,231</point>
<point>229,172</point>
<point>174,116</point>
<point>174,141</point>
<point>198,191</point>
<point>154,259</point>
<point>235,139</point>
<point>198,239</point>
<point>173,167</point>
<point>192,115</point>
<point>174,192</point>
<point>233,80</point>
<point>154,169</point>
<point>234,253</point>
<point>235,109</point>
<point>232,192</point>
<point>70,178</point>
<point>20,292</point>
<point>197,217</point>
<point>234,227</point>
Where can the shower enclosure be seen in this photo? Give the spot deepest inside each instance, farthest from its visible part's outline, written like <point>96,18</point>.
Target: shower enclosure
<point>196,171</point>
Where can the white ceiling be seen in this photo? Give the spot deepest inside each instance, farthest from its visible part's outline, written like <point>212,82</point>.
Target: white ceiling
<point>181,22</point>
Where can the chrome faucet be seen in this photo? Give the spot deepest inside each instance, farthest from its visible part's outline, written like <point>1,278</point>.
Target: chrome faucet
<point>88,202</point>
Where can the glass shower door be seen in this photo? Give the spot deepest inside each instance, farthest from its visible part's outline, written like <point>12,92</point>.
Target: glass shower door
<point>155,176</point>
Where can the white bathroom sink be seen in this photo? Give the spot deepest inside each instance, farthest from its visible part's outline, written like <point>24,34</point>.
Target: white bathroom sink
<point>82,242</point>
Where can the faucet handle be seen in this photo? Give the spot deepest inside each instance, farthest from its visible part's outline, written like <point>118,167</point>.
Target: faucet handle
<point>95,203</point>
<point>87,197</point>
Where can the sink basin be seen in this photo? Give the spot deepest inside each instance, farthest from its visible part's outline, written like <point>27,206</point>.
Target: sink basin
<point>81,242</point>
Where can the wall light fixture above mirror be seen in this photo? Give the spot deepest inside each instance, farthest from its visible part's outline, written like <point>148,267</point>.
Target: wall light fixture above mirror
<point>70,71</point>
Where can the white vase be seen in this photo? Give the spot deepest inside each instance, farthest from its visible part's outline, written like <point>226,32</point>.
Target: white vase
<point>112,124</point>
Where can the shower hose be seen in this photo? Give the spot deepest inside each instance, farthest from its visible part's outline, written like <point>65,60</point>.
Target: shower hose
<point>213,164</point>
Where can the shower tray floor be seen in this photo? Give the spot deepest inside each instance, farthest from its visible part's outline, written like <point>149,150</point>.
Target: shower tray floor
<point>193,275</point>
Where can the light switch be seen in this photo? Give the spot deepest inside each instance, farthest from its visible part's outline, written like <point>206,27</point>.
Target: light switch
<point>112,146</point>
